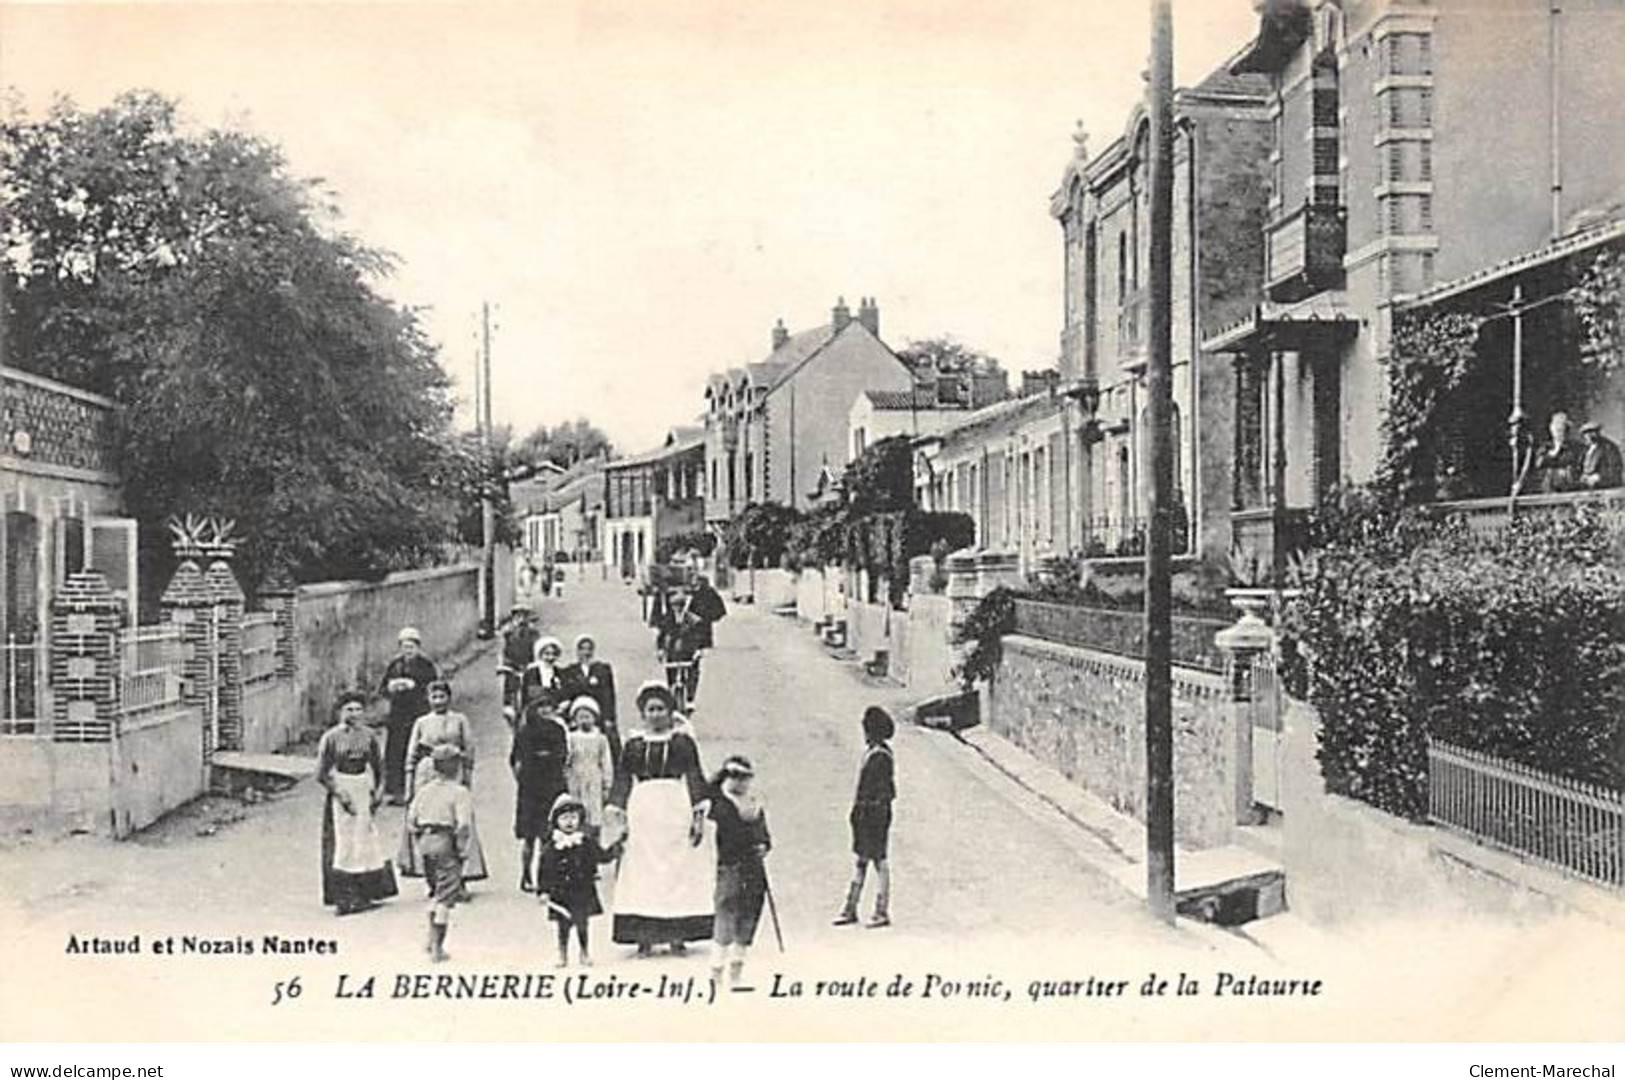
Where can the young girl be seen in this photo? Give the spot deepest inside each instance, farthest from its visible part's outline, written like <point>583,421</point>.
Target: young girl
<point>441,817</point>
<point>569,878</point>
<point>742,843</point>
<point>871,819</point>
<point>540,746</point>
<point>591,768</point>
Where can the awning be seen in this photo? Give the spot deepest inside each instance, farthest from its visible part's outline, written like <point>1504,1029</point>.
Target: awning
<point>1568,245</point>
<point>1318,321</point>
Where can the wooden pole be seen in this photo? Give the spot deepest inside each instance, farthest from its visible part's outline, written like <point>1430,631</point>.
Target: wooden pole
<point>1159,756</point>
<point>488,518</point>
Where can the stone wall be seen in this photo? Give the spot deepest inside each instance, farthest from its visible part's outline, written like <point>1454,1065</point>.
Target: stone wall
<point>156,766</point>
<point>810,596</point>
<point>1347,862</point>
<point>271,716</point>
<point>929,652</point>
<point>346,630</point>
<point>1083,713</point>
<point>772,588</point>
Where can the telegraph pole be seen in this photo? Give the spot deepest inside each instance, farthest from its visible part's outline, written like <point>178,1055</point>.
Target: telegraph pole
<point>1159,742</point>
<point>488,510</point>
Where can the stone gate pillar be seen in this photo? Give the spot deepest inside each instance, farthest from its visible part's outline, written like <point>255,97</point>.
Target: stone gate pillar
<point>189,604</point>
<point>85,671</point>
<point>1242,644</point>
<point>279,596</point>
<point>228,600</point>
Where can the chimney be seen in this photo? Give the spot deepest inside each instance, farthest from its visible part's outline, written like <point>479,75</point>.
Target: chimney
<point>869,315</point>
<point>839,315</point>
<point>781,336</point>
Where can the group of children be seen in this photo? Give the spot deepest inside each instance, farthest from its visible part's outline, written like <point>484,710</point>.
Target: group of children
<point>564,775</point>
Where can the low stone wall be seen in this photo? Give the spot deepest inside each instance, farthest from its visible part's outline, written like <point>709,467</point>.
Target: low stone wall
<point>929,652</point>
<point>346,630</point>
<point>271,717</point>
<point>1347,862</point>
<point>157,765</point>
<point>1083,712</point>
<point>810,596</point>
<point>868,628</point>
<point>773,588</point>
<point>109,788</point>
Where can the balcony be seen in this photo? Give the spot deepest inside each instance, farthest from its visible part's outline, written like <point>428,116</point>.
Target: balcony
<point>1495,514</point>
<point>1304,252</point>
<point>1133,331</point>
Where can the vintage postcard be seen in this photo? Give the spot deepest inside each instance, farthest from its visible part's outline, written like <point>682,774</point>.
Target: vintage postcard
<point>911,520</point>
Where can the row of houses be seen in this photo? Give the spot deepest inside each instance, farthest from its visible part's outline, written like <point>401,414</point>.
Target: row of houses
<point>1356,162</point>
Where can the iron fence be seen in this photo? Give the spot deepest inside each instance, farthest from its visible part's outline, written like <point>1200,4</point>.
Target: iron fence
<point>150,661</point>
<point>259,648</point>
<point>22,661</point>
<point>1567,825</point>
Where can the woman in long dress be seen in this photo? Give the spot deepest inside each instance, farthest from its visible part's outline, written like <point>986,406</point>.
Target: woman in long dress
<point>406,685</point>
<point>664,894</point>
<point>355,871</point>
<point>440,726</point>
<point>541,747</point>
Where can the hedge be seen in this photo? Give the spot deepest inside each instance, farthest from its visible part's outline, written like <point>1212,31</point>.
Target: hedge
<point>1510,643</point>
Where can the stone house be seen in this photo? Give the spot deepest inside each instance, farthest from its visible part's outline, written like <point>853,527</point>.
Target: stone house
<point>772,426</point>
<point>652,496</point>
<point>1422,151</point>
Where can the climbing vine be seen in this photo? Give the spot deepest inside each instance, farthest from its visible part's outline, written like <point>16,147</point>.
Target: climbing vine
<point>1431,354</point>
<point>1598,300</point>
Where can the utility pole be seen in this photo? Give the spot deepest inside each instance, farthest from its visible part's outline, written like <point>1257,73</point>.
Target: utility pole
<point>488,510</point>
<point>1159,741</point>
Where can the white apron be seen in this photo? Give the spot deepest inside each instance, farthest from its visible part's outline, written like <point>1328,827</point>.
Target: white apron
<point>357,848</point>
<point>662,875</point>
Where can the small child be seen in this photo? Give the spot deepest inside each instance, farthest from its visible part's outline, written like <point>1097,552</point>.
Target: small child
<point>742,843</point>
<point>591,768</point>
<point>871,819</point>
<point>441,817</point>
<point>569,878</point>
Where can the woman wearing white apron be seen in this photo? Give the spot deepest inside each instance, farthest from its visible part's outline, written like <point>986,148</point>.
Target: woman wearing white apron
<point>355,871</point>
<point>665,891</point>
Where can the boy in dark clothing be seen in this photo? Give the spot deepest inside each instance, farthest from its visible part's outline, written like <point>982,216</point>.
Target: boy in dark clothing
<point>742,843</point>
<point>569,876</point>
<point>871,819</point>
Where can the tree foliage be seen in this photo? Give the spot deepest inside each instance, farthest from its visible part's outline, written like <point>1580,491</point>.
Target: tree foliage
<point>563,444</point>
<point>190,276</point>
<point>1432,353</point>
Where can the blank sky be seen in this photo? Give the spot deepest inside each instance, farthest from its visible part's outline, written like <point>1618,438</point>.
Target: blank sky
<point>644,187</point>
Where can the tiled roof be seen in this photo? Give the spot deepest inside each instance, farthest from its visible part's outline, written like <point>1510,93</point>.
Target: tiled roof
<point>1010,411</point>
<point>922,397</point>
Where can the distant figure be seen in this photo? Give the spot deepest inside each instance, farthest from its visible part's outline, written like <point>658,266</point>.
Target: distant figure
<point>406,685</point>
<point>871,819</point>
<point>1600,465</point>
<point>1558,460</point>
<point>518,650</point>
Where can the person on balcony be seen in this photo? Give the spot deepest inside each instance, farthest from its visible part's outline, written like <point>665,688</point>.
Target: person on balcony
<point>1558,461</point>
<point>1600,464</point>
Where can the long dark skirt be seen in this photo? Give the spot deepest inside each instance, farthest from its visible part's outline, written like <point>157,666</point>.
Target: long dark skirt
<point>350,889</point>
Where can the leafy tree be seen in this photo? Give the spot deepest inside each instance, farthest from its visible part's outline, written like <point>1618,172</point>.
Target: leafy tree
<point>760,534</point>
<point>191,277</point>
<point>944,355</point>
<point>882,477</point>
<point>564,444</point>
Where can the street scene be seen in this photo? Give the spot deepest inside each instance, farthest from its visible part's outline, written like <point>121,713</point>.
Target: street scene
<point>1058,523</point>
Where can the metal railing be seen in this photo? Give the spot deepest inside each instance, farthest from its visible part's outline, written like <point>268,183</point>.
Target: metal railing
<point>150,662</point>
<point>21,662</point>
<point>1571,826</point>
<point>259,648</point>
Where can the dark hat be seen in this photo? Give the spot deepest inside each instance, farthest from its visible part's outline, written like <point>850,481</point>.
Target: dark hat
<point>564,802</point>
<point>439,684</point>
<point>1590,426</point>
<point>738,765</point>
<point>878,724</point>
<point>347,697</point>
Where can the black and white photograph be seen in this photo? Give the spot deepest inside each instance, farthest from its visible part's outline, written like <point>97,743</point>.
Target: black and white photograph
<point>813,521</point>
